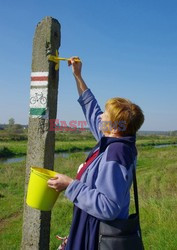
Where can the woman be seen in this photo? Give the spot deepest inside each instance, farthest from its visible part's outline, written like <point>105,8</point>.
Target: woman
<point>101,190</point>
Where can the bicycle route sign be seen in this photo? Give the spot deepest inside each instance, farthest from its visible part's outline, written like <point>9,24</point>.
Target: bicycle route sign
<point>38,94</point>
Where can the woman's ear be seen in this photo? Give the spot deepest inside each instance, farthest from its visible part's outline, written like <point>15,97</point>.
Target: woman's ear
<point>115,132</point>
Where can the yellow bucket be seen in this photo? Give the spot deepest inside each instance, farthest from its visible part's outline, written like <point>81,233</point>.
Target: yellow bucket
<point>39,195</point>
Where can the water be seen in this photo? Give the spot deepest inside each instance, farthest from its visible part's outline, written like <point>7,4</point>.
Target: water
<point>164,145</point>
<point>23,158</point>
<point>12,159</point>
<point>64,155</point>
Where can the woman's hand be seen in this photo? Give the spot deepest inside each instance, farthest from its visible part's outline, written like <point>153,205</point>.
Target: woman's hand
<point>76,66</point>
<point>60,182</point>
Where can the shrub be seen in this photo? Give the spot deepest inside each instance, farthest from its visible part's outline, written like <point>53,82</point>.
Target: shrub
<point>5,152</point>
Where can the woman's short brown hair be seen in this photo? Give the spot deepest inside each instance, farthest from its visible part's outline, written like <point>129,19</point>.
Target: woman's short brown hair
<point>125,115</point>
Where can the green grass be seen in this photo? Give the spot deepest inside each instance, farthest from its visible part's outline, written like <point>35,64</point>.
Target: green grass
<point>14,148</point>
<point>156,174</point>
<point>11,199</point>
<point>78,142</point>
<point>156,140</point>
<point>74,146</point>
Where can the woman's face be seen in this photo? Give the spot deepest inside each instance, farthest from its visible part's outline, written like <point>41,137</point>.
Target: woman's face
<point>105,124</point>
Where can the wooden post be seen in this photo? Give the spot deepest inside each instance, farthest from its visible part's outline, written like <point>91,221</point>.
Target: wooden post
<point>41,141</point>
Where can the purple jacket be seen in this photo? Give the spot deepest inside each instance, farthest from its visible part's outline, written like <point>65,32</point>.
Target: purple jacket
<point>103,193</point>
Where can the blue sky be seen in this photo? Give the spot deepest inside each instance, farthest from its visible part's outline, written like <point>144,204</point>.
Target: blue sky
<point>128,49</point>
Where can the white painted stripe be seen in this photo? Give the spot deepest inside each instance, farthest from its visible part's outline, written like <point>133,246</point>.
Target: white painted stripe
<point>39,83</point>
<point>39,74</point>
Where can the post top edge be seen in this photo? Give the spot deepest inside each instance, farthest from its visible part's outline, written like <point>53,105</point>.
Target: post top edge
<point>49,18</point>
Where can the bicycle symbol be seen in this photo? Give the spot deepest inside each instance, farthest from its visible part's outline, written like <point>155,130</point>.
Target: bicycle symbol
<point>37,98</point>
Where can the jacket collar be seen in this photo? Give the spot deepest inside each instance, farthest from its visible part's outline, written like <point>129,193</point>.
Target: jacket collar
<point>105,141</point>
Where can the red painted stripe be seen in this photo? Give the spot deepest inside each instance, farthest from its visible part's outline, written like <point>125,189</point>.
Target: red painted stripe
<point>39,78</point>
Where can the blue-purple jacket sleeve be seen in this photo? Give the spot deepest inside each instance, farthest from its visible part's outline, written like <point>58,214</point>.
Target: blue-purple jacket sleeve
<point>92,112</point>
<point>107,198</point>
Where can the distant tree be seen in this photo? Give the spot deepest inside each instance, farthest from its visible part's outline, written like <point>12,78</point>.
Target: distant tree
<point>11,122</point>
<point>173,133</point>
<point>11,125</point>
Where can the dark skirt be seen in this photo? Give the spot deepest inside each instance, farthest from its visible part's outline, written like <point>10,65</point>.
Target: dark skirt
<point>84,231</point>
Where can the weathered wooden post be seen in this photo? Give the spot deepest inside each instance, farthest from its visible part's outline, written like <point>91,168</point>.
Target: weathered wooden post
<point>41,141</point>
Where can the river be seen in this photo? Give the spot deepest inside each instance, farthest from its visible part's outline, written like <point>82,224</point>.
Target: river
<point>65,155</point>
<point>9,160</point>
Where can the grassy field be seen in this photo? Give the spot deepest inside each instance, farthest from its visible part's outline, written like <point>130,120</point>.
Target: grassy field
<point>157,174</point>
<point>76,143</point>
